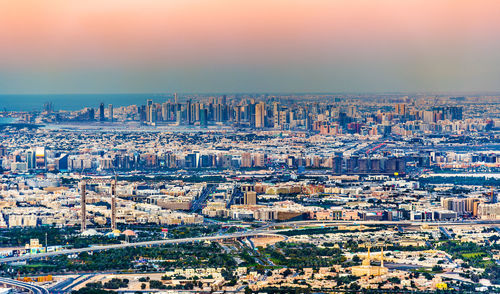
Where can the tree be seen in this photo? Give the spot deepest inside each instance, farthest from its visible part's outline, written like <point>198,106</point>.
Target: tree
<point>394,280</point>
<point>86,290</point>
<point>116,283</point>
<point>154,284</point>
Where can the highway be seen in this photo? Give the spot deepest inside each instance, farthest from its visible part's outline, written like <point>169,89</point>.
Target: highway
<point>198,203</point>
<point>138,244</point>
<point>35,289</point>
<point>67,285</point>
<point>265,230</point>
<point>400,223</point>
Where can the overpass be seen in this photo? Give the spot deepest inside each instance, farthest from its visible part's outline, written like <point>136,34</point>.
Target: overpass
<point>32,288</point>
<point>264,230</point>
<point>138,244</point>
<point>400,223</point>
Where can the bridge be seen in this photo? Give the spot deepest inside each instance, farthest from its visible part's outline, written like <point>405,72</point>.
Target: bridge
<point>32,288</point>
<point>265,230</point>
<point>399,223</point>
<point>138,244</point>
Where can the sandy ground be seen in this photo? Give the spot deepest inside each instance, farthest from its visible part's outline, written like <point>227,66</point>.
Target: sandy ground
<point>266,240</point>
<point>134,283</point>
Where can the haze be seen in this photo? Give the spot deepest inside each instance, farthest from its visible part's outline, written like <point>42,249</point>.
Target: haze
<point>122,46</point>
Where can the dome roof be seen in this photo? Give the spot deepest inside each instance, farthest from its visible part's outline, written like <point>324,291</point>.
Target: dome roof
<point>111,234</point>
<point>116,232</point>
<point>90,232</point>
<point>129,233</point>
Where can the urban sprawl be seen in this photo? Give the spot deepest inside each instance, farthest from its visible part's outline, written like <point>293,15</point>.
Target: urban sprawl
<point>253,193</point>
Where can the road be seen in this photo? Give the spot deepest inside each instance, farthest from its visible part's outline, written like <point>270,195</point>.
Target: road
<point>138,244</point>
<point>59,287</point>
<point>237,194</point>
<point>265,230</point>
<point>67,285</point>
<point>402,223</point>
<point>198,203</point>
<point>445,232</point>
<point>35,289</point>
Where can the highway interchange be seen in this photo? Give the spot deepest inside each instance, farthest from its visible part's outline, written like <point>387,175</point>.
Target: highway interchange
<point>34,289</point>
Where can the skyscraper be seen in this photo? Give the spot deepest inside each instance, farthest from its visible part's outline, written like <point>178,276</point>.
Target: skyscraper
<point>101,112</point>
<point>110,110</point>
<point>276,114</point>
<point>203,117</point>
<point>178,117</point>
<point>30,159</point>
<point>91,114</point>
<point>237,114</point>
<point>152,114</point>
<point>188,110</point>
<point>165,111</point>
<point>196,111</point>
<point>40,159</point>
<point>260,117</point>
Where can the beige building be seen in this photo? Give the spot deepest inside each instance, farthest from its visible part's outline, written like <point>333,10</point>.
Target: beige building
<point>366,269</point>
<point>250,198</point>
<point>489,211</point>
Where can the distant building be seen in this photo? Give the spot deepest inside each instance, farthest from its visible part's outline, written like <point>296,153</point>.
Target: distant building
<point>260,116</point>
<point>490,211</point>
<point>30,159</point>
<point>203,117</point>
<point>101,112</point>
<point>366,269</point>
<point>40,158</point>
<point>246,160</point>
<point>110,112</point>
<point>250,198</point>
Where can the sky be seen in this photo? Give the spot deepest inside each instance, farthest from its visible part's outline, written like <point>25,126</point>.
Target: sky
<point>147,46</point>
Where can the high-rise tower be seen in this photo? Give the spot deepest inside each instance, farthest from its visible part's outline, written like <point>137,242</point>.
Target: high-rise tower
<point>260,115</point>
<point>101,112</point>
<point>30,159</point>
<point>110,110</point>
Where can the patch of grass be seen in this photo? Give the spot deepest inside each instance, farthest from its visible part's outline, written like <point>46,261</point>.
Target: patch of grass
<point>473,255</point>
<point>38,265</point>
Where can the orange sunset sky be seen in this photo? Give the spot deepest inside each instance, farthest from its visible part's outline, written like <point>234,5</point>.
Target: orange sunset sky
<point>120,46</point>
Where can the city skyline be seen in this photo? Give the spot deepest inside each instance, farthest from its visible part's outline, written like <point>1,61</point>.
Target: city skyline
<point>249,146</point>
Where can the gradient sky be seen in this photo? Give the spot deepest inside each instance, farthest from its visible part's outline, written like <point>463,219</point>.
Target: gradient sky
<point>120,46</point>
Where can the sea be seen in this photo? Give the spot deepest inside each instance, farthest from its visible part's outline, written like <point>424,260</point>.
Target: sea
<point>75,101</point>
<point>7,120</point>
